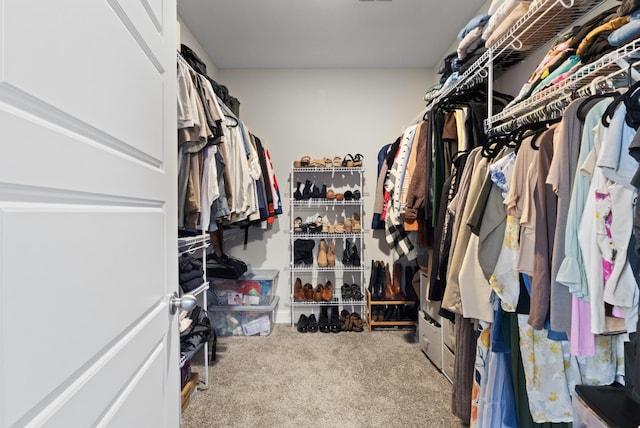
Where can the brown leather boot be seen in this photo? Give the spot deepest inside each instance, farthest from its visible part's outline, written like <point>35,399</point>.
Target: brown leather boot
<point>322,255</point>
<point>396,284</point>
<point>331,254</point>
<point>388,285</point>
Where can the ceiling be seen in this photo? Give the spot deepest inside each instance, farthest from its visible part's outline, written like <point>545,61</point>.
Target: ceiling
<point>326,33</point>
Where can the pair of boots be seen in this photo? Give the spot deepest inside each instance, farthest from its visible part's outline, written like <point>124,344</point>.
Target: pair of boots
<point>381,284</point>
<point>310,191</point>
<point>326,257</point>
<point>303,251</point>
<point>350,256</point>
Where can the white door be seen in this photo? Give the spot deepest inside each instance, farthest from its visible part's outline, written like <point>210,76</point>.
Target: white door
<point>88,248</point>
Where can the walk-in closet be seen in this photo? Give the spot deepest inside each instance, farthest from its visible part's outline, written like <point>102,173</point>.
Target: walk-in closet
<point>334,213</point>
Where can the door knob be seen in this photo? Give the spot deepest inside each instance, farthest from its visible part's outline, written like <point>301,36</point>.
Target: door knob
<point>186,302</point>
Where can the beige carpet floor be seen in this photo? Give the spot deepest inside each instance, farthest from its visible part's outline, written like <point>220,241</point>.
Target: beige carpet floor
<point>321,380</point>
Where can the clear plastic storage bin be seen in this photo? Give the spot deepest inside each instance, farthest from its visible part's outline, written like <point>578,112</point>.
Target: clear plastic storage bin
<point>244,320</point>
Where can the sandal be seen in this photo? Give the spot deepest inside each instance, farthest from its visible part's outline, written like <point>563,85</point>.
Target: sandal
<point>357,160</point>
<point>317,163</point>
<point>328,162</point>
<point>338,227</point>
<point>305,161</point>
<point>297,225</point>
<point>348,160</point>
<point>337,161</point>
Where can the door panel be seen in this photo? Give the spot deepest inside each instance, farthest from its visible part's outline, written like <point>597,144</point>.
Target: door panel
<point>154,8</point>
<point>88,214</point>
<point>80,61</point>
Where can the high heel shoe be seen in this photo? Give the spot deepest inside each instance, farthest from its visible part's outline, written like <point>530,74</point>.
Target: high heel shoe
<point>297,195</point>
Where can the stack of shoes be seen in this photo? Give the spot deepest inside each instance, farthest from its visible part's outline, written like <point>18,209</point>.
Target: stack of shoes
<point>224,266</point>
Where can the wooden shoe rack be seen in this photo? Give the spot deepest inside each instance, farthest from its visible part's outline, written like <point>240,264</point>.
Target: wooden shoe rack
<point>370,303</point>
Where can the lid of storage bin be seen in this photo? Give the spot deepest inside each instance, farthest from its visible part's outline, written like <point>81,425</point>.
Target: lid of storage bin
<point>267,304</point>
<point>260,274</point>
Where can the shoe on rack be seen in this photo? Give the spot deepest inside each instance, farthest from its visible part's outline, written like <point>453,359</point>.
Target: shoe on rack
<point>373,291</point>
<point>327,292</point>
<point>356,294</point>
<point>315,192</point>
<point>355,223</point>
<point>306,192</point>
<point>308,292</point>
<point>378,286</point>
<point>331,254</point>
<point>357,324</point>
<point>317,293</point>
<point>297,195</point>
<point>303,323</point>
<point>354,256</point>
<point>322,254</point>
<point>323,320</point>
<point>396,282</point>
<point>312,324</point>
<point>298,291</point>
<point>346,254</point>
<point>357,160</point>
<point>345,291</point>
<point>388,286</point>
<point>297,225</point>
<point>323,192</point>
<point>345,320</point>
<point>334,320</point>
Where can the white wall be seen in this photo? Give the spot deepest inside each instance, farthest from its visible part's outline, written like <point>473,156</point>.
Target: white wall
<point>187,38</point>
<point>319,113</point>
